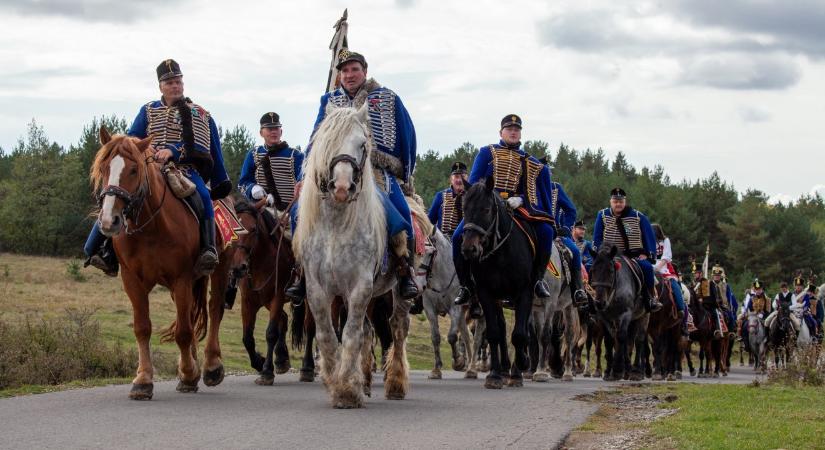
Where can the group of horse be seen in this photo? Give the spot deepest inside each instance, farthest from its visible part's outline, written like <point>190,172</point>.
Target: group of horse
<point>341,242</point>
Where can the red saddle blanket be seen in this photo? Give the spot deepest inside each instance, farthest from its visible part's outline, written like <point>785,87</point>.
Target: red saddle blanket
<point>229,227</point>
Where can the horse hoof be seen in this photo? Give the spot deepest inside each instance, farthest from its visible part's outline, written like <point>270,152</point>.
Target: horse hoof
<point>367,391</point>
<point>586,374</point>
<point>187,387</point>
<point>515,382</point>
<point>265,380</point>
<point>693,372</point>
<point>724,374</point>
<point>527,375</point>
<point>141,391</point>
<point>541,377</point>
<point>657,377</point>
<point>567,377</point>
<point>715,375</point>
<point>635,377</point>
<point>282,368</point>
<point>459,365</point>
<point>597,374</point>
<point>435,374</point>
<point>670,377</point>
<point>471,375</point>
<point>493,383</point>
<point>395,395</point>
<point>678,375</point>
<point>307,376</point>
<point>213,377</point>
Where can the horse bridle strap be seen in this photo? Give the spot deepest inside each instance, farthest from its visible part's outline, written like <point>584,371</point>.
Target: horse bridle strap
<point>357,168</point>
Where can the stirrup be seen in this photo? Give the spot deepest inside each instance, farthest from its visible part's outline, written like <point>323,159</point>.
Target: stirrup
<point>207,261</point>
<point>463,296</point>
<point>99,262</point>
<point>580,298</point>
<point>655,305</point>
<point>407,288</point>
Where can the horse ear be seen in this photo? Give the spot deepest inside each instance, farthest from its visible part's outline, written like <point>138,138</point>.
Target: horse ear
<point>143,144</point>
<point>489,183</point>
<point>467,184</point>
<point>613,251</point>
<point>105,137</point>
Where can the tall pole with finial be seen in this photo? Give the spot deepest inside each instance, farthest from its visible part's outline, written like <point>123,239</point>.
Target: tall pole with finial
<point>338,43</point>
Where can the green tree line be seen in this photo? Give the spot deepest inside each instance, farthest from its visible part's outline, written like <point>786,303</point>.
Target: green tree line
<point>47,207</point>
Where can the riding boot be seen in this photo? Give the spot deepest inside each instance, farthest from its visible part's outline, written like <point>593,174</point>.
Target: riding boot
<point>717,325</point>
<point>105,259</point>
<point>297,291</point>
<point>407,287</point>
<point>541,289</point>
<point>208,258</point>
<point>417,306</point>
<point>576,287</point>
<point>651,297</point>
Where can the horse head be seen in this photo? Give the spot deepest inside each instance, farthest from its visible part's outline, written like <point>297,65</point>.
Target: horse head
<point>603,276</point>
<point>120,175</point>
<point>342,140</point>
<point>482,207</point>
<point>246,243</point>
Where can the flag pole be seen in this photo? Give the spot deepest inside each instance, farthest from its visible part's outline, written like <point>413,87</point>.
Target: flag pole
<point>338,43</point>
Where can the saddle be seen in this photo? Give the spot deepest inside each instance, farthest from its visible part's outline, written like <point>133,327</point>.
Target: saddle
<point>228,225</point>
<point>635,269</point>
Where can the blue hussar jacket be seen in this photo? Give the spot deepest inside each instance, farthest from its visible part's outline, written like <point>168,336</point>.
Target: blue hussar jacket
<point>537,198</point>
<point>164,124</point>
<point>563,210</point>
<point>291,172</point>
<point>645,241</point>
<point>390,124</point>
<point>436,212</point>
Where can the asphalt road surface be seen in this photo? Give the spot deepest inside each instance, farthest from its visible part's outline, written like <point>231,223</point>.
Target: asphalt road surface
<point>448,413</point>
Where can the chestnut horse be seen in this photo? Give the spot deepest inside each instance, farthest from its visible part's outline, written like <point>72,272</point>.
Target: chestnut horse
<point>146,221</point>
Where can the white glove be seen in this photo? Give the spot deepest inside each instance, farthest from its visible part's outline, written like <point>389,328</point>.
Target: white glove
<point>514,202</point>
<point>270,200</point>
<point>258,192</point>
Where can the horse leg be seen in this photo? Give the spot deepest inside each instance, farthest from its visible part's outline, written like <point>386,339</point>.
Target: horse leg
<point>248,318</point>
<point>282,364</point>
<point>321,304</point>
<point>142,385</point>
<point>435,337</point>
<point>469,356</point>
<point>367,357</point>
<point>459,357</point>
<point>519,338</point>
<point>397,383</point>
<point>348,389</point>
<point>213,370</point>
<point>188,370</point>
<point>308,363</point>
<point>494,334</point>
<point>570,319</point>
<point>267,376</point>
<point>609,344</point>
<point>537,340</point>
<point>600,340</point>
<point>479,327</point>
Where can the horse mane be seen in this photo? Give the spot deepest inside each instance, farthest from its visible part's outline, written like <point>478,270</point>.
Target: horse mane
<point>108,151</point>
<point>328,142</point>
<point>243,206</point>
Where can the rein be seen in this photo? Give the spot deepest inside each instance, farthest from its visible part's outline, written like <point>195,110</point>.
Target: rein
<point>249,251</point>
<point>493,229</point>
<point>134,200</point>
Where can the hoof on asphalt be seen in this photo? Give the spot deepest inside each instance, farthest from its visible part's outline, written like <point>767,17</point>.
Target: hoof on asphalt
<point>213,377</point>
<point>515,382</point>
<point>187,387</point>
<point>567,377</point>
<point>435,374</point>
<point>527,375</point>
<point>395,395</point>
<point>541,377</point>
<point>368,391</point>
<point>141,391</point>
<point>597,374</point>
<point>724,374</point>
<point>265,380</point>
<point>671,377</point>
<point>460,364</point>
<point>493,383</point>
<point>471,375</point>
<point>656,377</point>
<point>586,374</point>
<point>307,376</point>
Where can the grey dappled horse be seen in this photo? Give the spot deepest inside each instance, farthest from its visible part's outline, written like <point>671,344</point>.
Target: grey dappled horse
<point>542,322</point>
<point>437,275</point>
<point>757,341</point>
<point>340,240</point>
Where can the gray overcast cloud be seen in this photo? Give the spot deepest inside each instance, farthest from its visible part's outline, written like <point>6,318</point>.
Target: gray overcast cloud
<point>693,85</point>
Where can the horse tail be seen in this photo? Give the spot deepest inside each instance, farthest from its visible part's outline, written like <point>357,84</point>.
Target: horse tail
<point>299,313</point>
<point>200,314</point>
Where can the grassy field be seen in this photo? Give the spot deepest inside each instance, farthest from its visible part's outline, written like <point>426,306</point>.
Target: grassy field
<point>744,417</point>
<point>39,287</point>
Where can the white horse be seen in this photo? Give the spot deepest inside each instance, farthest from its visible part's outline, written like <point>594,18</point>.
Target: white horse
<point>757,341</point>
<point>340,240</point>
<point>542,322</point>
<point>441,286</point>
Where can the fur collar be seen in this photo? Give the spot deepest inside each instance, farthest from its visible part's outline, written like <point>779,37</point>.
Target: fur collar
<point>277,147</point>
<point>361,96</point>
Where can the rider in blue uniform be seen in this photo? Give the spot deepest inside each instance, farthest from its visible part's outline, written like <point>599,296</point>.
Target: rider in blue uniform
<point>184,133</point>
<point>393,135</point>
<point>586,249</point>
<point>445,211</point>
<point>630,231</point>
<point>505,162</point>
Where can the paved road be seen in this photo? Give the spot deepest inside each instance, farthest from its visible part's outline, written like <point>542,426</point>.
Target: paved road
<point>448,413</point>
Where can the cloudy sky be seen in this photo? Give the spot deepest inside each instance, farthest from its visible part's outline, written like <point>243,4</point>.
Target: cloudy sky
<point>694,85</point>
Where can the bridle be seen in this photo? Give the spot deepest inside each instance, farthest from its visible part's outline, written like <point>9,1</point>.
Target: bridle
<point>133,201</point>
<point>491,231</point>
<point>249,250</point>
<point>357,172</point>
<point>611,286</point>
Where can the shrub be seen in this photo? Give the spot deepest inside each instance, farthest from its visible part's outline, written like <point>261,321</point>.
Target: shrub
<point>73,271</point>
<point>806,367</point>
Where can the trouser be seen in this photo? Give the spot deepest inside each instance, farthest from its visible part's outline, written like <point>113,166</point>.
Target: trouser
<point>648,276</point>
<point>577,256</point>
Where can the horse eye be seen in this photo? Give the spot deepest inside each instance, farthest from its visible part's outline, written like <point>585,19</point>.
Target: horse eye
<point>133,171</point>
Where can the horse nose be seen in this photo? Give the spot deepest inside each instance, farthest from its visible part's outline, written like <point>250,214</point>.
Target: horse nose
<point>116,221</point>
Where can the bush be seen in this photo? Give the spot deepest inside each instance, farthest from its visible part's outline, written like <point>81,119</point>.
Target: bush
<point>55,351</point>
<point>73,271</point>
<point>806,368</point>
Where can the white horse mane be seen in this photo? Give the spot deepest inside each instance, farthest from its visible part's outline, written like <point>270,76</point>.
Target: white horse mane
<point>333,137</point>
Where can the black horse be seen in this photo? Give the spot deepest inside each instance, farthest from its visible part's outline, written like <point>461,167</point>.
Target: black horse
<point>782,335</point>
<point>501,259</point>
<point>620,306</point>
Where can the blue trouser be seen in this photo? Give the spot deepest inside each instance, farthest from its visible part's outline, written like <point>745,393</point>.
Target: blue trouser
<point>396,210</point>
<point>544,235</point>
<point>577,256</point>
<point>676,287</point>
<point>96,237</point>
<point>647,272</point>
